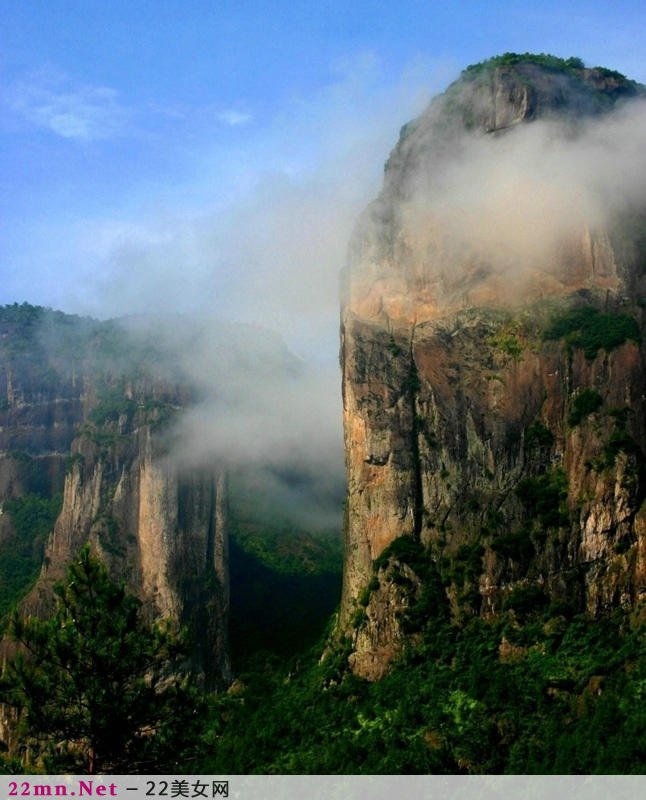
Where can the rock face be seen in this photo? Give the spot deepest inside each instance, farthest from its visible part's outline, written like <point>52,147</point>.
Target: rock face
<point>163,532</point>
<point>79,421</point>
<point>493,372</point>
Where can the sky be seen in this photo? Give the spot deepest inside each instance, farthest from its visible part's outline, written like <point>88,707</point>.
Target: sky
<point>165,155</point>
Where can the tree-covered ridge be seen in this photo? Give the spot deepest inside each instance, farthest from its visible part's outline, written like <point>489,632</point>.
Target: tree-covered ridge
<point>572,65</point>
<point>540,59</point>
<point>61,375</point>
<point>42,338</point>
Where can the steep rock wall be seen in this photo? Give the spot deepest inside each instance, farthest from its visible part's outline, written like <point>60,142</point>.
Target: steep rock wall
<point>83,412</point>
<point>164,532</point>
<point>510,448</point>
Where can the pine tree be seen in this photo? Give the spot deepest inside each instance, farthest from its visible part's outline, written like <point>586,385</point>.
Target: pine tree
<point>95,689</point>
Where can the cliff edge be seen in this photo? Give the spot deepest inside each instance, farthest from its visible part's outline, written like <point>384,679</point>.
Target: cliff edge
<point>492,357</point>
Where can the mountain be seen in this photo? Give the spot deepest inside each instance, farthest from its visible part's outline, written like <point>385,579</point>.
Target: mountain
<point>493,363</point>
<point>492,615</point>
<point>84,458</point>
<point>92,450</point>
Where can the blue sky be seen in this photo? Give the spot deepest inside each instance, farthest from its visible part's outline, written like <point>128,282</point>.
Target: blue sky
<point>160,155</point>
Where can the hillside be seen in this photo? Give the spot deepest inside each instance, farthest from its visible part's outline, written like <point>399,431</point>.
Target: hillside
<point>88,455</point>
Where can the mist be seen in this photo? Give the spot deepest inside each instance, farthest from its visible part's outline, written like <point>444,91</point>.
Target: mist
<point>242,293</point>
<point>512,204</point>
<point>244,297</point>
<point>257,410</point>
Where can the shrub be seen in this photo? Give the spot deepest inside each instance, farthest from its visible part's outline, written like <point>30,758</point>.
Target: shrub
<point>538,435</point>
<point>619,442</point>
<point>586,402</point>
<point>525,599</point>
<point>394,348</point>
<point>469,561</point>
<point>587,328</point>
<point>404,549</point>
<point>508,343</point>
<point>516,545</point>
<point>544,498</point>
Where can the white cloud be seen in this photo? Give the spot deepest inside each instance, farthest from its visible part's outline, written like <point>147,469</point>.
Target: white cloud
<point>51,100</point>
<point>232,117</point>
<point>268,253</point>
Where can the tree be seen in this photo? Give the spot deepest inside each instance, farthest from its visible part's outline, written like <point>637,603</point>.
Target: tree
<point>96,689</point>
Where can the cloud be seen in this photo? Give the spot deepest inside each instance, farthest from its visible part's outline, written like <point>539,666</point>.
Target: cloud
<point>257,410</point>
<point>232,117</point>
<point>490,218</point>
<point>268,256</point>
<point>271,255</point>
<point>53,101</point>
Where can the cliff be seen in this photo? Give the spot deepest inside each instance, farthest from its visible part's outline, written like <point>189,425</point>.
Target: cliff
<point>493,369</point>
<point>84,458</point>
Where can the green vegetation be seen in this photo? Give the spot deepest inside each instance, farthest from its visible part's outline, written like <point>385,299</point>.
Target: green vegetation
<point>23,320</point>
<point>468,563</point>
<point>285,579</point>
<point>431,599</point>
<point>405,549</point>
<point>413,383</point>
<point>73,460</point>
<point>93,693</point>
<point>516,545</point>
<point>545,498</point>
<point>31,475</point>
<point>525,599</point>
<point>21,555</point>
<point>586,402</point>
<point>591,330</point>
<point>571,66</point>
<point>618,442</point>
<point>541,59</point>
<point>508,343</point>
<point>112,405</point>
<point>538,435</point>
<point>50,345</point>
<point>394,348</point>
<point>111,535</point>
<point>571,700</point>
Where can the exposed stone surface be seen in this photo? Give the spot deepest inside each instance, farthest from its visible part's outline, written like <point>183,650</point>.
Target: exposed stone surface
<point>379,639</point>
<point>446,368</point>
<point>162,530</point>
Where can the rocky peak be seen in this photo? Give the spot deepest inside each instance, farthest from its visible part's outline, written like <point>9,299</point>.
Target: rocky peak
<point>505,91</point>
<point>471,213</point>
<point>493,371</point>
